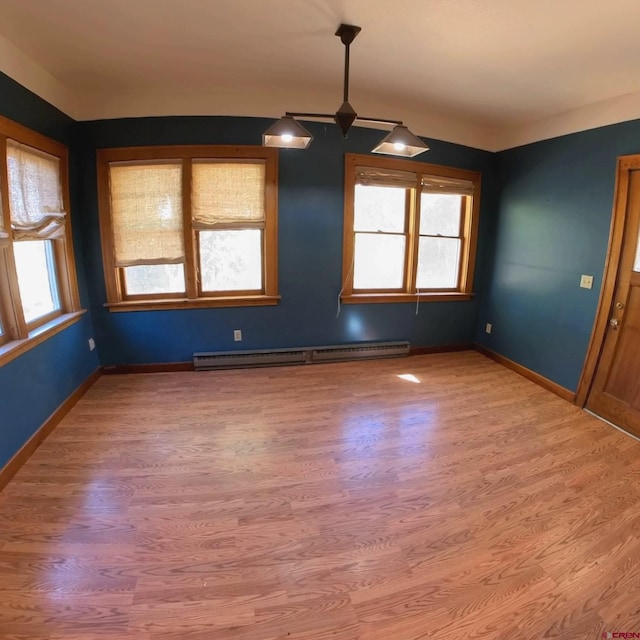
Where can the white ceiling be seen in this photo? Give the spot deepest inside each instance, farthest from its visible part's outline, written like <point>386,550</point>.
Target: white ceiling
<point>487,73</point>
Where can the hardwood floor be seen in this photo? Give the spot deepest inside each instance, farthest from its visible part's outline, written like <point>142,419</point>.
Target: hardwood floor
<point>323,502</point>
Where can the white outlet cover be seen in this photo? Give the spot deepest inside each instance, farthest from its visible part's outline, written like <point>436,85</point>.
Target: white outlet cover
<point>488,327</point>
<point>586,282</point>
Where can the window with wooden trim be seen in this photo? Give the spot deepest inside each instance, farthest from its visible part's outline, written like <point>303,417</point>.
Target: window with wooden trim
<point>410,230</point>
<point>38,288</point>
<point>188,226</point>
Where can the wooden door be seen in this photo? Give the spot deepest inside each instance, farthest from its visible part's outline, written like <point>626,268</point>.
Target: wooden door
<point>615,394</point>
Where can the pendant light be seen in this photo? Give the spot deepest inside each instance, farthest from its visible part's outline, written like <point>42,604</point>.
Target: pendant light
<point>401,142</point>
<point>288,133</point>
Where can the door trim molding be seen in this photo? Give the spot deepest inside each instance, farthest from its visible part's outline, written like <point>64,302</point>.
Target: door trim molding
<point>625,165</point>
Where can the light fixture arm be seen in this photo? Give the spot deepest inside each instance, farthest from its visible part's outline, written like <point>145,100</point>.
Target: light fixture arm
<point>303,114</point>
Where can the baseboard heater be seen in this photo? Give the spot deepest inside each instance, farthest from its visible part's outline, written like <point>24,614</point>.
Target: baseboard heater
<point>204,361</point>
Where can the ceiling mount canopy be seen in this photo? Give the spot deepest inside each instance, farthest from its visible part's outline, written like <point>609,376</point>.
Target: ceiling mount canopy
<point>288,133</point>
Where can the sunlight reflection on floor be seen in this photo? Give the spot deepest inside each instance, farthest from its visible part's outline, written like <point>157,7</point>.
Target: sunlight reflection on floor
<point>409,377</point>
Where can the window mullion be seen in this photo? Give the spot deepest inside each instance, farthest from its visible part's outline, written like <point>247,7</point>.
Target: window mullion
<point>191,266</point>
<point>113,275</point>
<point>67,277</point>
<point>465,233</point>
<point>62,277</point>
<point>121,282</point>
<point>413,229</point>
<point>270,232</point>
<point>4,187</point>
<point>198,261</point>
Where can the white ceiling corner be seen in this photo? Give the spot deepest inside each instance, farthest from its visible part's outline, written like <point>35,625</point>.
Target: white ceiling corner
<point>33,76</point>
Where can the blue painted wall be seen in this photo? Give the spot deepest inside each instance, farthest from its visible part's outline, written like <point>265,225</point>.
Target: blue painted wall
<point>311,205</point>
<point>554,212</point>
<point>35,384</point>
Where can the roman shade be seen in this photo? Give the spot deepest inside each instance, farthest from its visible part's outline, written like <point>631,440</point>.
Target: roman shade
<point>378,177</point>
<point>35,194</point>
<point>146,212</point>
<point>226,192</point>
<point>451,186</point>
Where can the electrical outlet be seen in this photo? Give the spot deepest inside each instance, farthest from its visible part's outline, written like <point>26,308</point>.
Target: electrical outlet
<point>488,327</point>
<point>92,344</point>
<point>586,282</point>
<point>237,335</point>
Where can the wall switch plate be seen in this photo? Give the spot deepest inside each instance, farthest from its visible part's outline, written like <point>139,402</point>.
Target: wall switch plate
<point>92,344</point>
<point>488,327</point>
<point>586,282</point>
<point>237,335</point>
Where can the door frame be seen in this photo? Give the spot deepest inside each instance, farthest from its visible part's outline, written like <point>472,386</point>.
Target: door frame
<point>625,165</point>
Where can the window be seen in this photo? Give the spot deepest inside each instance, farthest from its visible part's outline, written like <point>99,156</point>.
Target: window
<point>409,231</point>
<point>188,226</point>
<point>38,289</point>
<point>37,279</point>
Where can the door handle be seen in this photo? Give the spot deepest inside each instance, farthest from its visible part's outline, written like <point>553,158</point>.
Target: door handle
<point>613,323</point>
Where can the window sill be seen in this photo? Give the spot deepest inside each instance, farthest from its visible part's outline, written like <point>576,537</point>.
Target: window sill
<point>367,298</point>
<point>16,348</point>
<point>199,303</point>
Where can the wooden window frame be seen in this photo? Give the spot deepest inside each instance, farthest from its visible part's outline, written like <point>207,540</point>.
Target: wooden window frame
<point>20,336</point>
<point>469,233</point>
<point>194,297</point>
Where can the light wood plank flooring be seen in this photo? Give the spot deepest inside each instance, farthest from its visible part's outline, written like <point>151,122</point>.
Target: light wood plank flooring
<point>324,502</point>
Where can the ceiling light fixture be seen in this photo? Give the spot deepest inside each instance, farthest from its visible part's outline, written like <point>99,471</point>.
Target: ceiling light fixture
<point>288,133</point>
